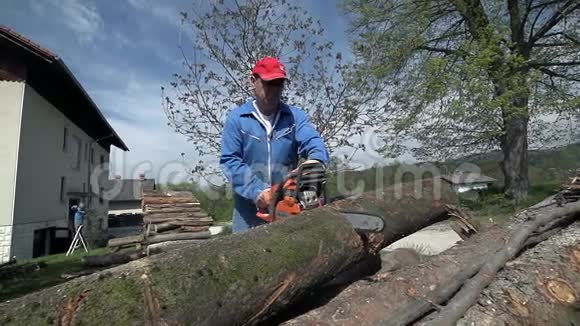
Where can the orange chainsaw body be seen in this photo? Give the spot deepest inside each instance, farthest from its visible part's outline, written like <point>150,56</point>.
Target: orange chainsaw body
<point>286,199</point>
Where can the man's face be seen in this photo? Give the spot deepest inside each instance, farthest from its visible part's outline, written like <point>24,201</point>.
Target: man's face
<point>268,92</point>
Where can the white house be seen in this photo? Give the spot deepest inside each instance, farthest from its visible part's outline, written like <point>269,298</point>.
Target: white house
<point>463,182</point>
<point>52,138</point>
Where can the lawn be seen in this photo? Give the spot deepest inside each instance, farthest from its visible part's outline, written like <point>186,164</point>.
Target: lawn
<point>493,207</point>
<point>47,276</point>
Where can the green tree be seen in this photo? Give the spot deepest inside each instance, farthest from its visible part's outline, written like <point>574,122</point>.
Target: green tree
<point>229,37</point>
<point>469,76</point>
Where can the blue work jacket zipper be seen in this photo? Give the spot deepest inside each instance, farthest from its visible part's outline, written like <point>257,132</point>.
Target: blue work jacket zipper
<point>268,138</point>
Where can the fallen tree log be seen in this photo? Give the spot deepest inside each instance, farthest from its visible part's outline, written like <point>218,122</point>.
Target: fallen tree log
<point>172,209</point>
<point>176,215</point>
<point>173,220</point>
<point>395,298</point>
<point>15,269</point>
<point>157,238</point>
<point>120,242</point>
<point>541,287</point>
<point>470,291</point>
<point>171,206</point>
<point>237,279</point>
<point>193,228</point>
<point>165,200</point>
<point>161,227</point>
<point>117,258</point>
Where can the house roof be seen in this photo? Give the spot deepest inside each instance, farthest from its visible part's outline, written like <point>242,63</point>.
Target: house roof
<point>467,178</point>
<point>51,78</point>
<point>130,189</point>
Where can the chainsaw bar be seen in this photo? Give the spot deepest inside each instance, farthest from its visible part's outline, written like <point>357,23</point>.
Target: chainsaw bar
<point>364,222</point>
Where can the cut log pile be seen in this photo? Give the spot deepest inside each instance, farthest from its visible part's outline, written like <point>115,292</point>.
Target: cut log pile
<point>523,273</point>
<point>167,217</point>
<point>570,192</point>
<point>172,218</point>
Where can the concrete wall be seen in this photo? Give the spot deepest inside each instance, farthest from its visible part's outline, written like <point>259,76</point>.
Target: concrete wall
<point>11,94</point>
<point>124,205</point>
<point>43,161</point>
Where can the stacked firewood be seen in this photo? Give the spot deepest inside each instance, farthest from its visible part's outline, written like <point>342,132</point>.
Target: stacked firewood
<point>175,217</point>
<point>168,217</point>
<point>570,192</point>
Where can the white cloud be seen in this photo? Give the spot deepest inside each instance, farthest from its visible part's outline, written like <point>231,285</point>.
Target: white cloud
<point>81,17</point>
<point>132,105</point>
<point>163,12</point>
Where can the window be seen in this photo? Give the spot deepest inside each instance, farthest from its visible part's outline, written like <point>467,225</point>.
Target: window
<point>86,152</point>
<point>77,152</point>
<point>92,156</point>
<point>65,139</point>
<point>100,195</point>
<point>62,186</point>
<point>102,159</point>
<point>84,186</point>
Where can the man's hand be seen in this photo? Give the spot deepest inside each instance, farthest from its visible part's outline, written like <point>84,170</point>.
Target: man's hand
<point>264,199</point>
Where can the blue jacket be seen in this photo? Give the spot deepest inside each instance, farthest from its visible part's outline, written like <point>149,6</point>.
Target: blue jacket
<point>253,162</point>
<point>80,214</point>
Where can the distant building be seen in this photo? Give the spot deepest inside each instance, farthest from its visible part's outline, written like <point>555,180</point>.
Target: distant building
<point>127,199</point>
<point>462,182</point>
<point>52,136</point>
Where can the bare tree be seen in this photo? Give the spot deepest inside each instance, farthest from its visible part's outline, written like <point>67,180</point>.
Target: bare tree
<point>229,37</point>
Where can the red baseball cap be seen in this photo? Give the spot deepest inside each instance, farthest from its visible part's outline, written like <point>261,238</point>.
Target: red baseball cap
<point>269,68</point>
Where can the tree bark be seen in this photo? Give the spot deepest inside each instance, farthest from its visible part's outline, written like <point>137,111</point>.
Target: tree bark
<point>169,215</point>
<point>368,302</point>
<point>149,206</point>
<point>174,220</point>
<point>387,295</point>
<point>514,145</point>
<point>119,242</point>
<point>237,279</point>
<point>161,227</point>
<point>116,258</point>
<point>166,200</point>
<point>176,236</point>
<point>150,210</point>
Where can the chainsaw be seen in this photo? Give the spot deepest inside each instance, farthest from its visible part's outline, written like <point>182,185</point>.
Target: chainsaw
<point>304,189</point>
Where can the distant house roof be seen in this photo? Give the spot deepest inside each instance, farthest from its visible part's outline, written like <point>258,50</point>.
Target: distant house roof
<point>51,78</point>
<point>130,189</point>
<point>467,178</point>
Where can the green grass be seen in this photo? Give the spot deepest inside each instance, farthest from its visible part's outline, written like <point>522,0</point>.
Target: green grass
<point>47,276</point>
<point>493,207</point>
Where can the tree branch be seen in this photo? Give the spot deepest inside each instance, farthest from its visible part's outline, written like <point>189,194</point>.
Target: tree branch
<point>571,38</point>
<point>544,4</point>
<point>552,73</point>
<point>553,64</point>
<point>560,13</point>
<point>548,45</point>
<point>515,22</point>
<point>442,50</point>
<point>474,14</point>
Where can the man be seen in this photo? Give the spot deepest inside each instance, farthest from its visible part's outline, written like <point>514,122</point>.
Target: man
<point>80,214</point>
<point>262,141</point>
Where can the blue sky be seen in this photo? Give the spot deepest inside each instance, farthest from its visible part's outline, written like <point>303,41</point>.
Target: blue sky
<point>123,52</point>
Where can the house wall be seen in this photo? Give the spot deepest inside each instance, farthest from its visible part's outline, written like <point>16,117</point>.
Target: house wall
<point>124,205</point>
<point>11,93</point>
<point>43,160</point>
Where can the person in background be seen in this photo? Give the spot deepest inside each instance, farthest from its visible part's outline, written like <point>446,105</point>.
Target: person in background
<point>80,214</point>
